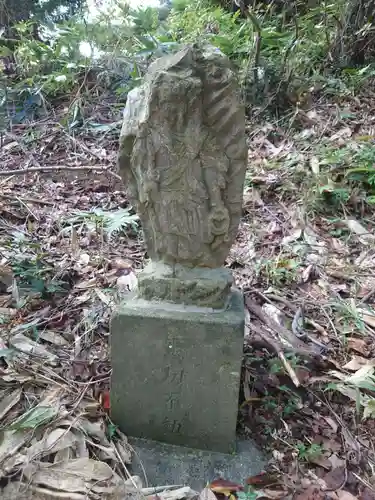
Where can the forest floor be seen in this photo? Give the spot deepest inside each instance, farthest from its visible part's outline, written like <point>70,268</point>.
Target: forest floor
<point>304,258</point>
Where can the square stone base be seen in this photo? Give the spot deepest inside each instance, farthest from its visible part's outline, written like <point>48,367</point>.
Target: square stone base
<point>176,372</point>
<point>168,464</point>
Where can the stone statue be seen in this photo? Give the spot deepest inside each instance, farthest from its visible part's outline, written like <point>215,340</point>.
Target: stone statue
<point>183,159</point>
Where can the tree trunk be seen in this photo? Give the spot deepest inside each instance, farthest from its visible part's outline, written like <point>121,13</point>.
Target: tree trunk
<point>13,11</point>
<point>355,40</point>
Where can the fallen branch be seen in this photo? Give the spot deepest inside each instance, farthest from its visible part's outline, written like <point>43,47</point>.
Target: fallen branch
<point>280,330</point>
<point>57,168</point>
<point>300,333</point>
<point>276,347</point>
<point>25,200</point>
<point>368,296</point>
<point>48,493</point>
<point>269,297</point>
<point>294,308</point>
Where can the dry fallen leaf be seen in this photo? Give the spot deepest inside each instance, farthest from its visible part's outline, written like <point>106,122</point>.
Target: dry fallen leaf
<point>30,347</point>
<point>263,479</point>
<point>358,345</point>
<point>83,285</point>
<point>7,311</point>
<point>321,461</point>
<point>225,487</point>
<point>336,461</point>
<point>295,235</point>
<point>314,165</point>
<point>8,401</point>
<point>24,491</point>
<point>345,495</point>
<point>358,229</point>
<point>52,442</point>
<point>13,376</point>
<point>272,494</point>
<point>247,330</point>
<point>336,478</point>
<point>74,476</point>
<point>345,132</point>
<point>367,494</point>
<point>127,282</point>
<point>357,362</point>
<point>179,494</point>
<point>313,492</point>
<point>252,196</point>
<point>53,338</point>
<point>332,423</point>
<point>273,312</point>
<point>207,494</point>
<point>11,442</point>
<point>367,317</point>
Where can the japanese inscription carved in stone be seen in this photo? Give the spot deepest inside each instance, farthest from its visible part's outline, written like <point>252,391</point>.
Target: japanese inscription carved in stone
<point>183,158</point>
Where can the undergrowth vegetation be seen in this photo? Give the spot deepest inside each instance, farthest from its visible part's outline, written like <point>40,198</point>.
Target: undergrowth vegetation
<point>284,60</point>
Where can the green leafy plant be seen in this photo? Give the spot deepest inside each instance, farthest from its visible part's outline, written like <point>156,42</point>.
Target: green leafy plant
<point>309,452</point>
<point>111,430</point>
<point>353,172</point>
<point>276,366</point>
<point>214,25</point>
<point>349,318</point>
<point>357,387</point>
<point>33,273</point>
<point>35,417</point>
<point>98,220</point>
<point>333,194</point>
<point>7,353</point>
<point>248,494</point>
<point>283,404</point>
<point>275,55</point>
<point>279,271</point>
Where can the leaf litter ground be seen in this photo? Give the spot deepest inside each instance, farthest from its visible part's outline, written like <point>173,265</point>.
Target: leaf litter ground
<point>307,271</point>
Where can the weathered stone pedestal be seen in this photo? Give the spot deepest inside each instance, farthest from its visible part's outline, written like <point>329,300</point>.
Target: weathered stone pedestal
<point>176,372</point>
<point>168,464</point>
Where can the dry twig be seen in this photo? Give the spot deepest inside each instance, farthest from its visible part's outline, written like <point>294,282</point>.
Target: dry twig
<point>284,333</point>
<point>26,200</point>
<point>62,168</point>
<point>276,347</point>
